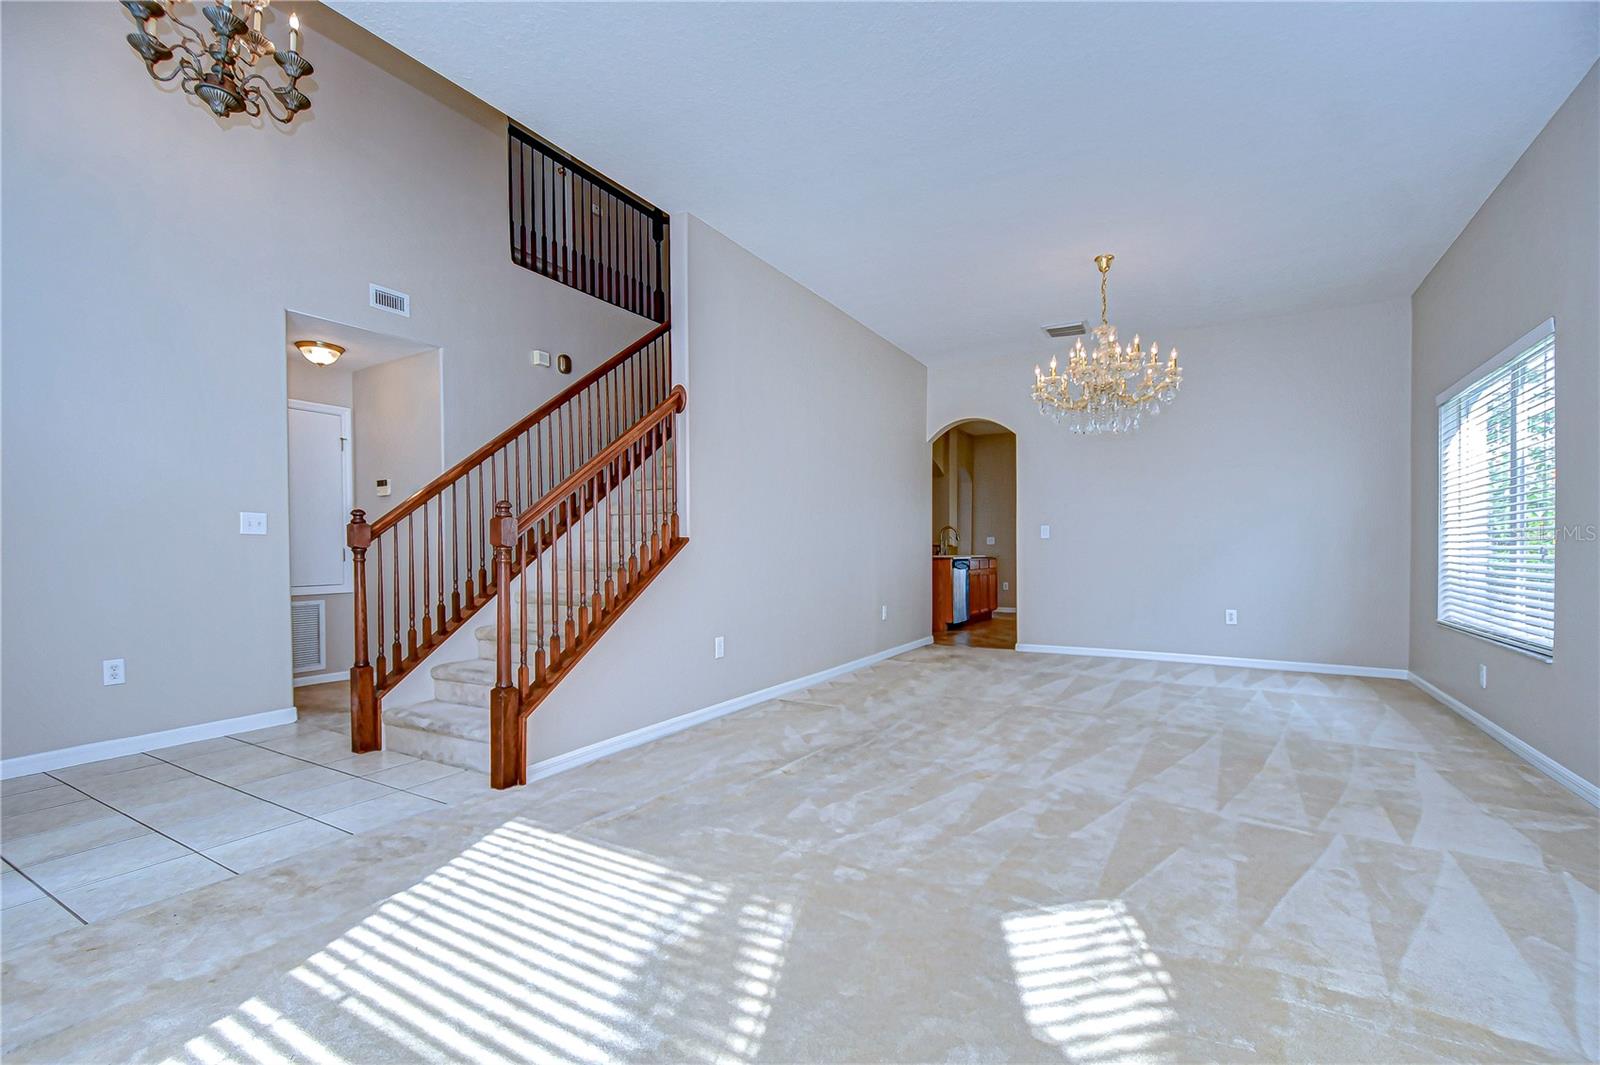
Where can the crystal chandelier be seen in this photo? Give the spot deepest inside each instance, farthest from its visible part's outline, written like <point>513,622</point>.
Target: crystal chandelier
<point>1107,390</point>
<point>221,70</point>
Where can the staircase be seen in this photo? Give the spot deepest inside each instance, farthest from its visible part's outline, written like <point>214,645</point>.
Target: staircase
<point>525,553</point>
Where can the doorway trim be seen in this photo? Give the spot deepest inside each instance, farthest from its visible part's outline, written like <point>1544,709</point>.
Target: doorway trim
<point>347,462</point>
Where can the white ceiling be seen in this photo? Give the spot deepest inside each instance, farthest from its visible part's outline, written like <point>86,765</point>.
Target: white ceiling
<point>945,172</point>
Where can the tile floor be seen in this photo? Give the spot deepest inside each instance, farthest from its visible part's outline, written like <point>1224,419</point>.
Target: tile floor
<point>83,844</point>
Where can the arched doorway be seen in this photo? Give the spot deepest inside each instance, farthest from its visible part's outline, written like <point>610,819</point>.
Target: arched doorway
<point>973,512</point>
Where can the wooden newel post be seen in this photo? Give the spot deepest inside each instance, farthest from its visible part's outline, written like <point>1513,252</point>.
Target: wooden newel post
<point>366,725</point>
<point>506,739</point>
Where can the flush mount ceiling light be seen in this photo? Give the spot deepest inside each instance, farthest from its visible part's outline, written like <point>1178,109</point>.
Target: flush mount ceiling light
<point>319,352</point>
<point>1105,391</point>
<point>220,70</point>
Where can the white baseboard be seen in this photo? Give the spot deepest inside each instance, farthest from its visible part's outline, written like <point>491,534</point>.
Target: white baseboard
<point>1331,668</point>
<point>320,678</point>
<point>1551,768</point>
<point>583,755</point>
<point>1005,610</point>
<point>45,761</point>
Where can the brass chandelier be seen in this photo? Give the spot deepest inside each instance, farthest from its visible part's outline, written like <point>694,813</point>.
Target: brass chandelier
<point>1105,391</point>
<point>220,70</point>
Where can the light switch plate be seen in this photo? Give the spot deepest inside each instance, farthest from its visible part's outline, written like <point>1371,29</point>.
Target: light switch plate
<point>1005,586</point>
<point>252,523</point>
<point>540,358</point>
<point>989,540</point>
<point>717,648</point>
<point>1044,532</point>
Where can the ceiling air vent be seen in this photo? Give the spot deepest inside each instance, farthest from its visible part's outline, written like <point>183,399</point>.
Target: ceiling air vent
<point>1071,329</point>
<point>306,635</point>
<point>387,299</point>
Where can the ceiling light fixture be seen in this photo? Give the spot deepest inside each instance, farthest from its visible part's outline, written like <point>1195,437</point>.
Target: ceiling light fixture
<point>220,70</point>
<point>319,352</point>
<point>1105,391</point>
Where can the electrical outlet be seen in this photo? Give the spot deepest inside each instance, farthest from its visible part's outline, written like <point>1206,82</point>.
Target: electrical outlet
<point>989,540</point>
<point>1483,675</point>
<point>1044,532</point>
<point>252,524</point>
<point>112,671</point>
<point>1230,617</point>
<point>717,648</point>
<point>883,612</point>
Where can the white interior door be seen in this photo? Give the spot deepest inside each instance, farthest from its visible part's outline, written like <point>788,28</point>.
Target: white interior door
<point>319,497</point>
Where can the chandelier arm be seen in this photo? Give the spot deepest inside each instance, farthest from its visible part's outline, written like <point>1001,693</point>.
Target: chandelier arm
<point>257,76</point>
<point>186,28</point>
<point>176,70</point>
<point>266,99</point>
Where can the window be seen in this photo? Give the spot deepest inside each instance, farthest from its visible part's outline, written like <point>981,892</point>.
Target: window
<point>1497,497</point>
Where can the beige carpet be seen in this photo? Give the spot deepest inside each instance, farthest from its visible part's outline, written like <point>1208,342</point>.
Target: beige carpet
<point>955,855</point>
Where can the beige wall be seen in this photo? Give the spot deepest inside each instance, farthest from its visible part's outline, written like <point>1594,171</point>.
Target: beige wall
<point>994,509</point>
<point>1531,252</point>
<point>809,470</point>
<point>150,253</point>
<point>396,428</point>
<point>1275,485</point>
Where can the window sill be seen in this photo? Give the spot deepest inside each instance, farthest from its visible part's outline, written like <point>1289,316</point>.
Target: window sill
<point>1539,656</point>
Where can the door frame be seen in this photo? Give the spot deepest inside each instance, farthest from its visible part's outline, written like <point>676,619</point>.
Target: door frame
<point>347,455</point>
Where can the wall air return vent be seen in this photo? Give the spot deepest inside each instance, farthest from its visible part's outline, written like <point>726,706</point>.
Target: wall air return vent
<point>306,634</point>
<point>387,299</point>
<point>1070,329</point>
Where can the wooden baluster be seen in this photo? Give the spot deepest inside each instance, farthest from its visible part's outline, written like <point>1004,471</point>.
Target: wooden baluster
<point>427,600</point>
<point>382,672</point>
<point>673,473</point>
<point>568,629</point>
<point>483,550</point>
<point>469,591</point>
<point>522,616</point>
<point>656,522</point>
<point>366,729</point>
<point>610,484</point>
<point>633,513</point>
<point>583,517</point>
<point>659,300</point>
<point>512,149</point>
<point>411,590</point>
<point>455,559</point>
<point>542,208</point>
<point>540,658</point>
<point>507,737</point>
<point>396,656</point>
<point>439,626</point>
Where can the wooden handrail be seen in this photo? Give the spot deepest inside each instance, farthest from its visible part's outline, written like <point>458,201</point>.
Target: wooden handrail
<point>676,400</point>
<point>442,482</point>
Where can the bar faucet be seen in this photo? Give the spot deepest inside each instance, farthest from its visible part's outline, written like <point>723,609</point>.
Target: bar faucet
<point>949,545</point>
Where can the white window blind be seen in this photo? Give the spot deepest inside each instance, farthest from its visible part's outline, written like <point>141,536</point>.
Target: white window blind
<point>1497,497</point>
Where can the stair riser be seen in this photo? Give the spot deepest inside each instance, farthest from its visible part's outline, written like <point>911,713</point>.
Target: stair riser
<point>448,750</point>
<point>464,692</point>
